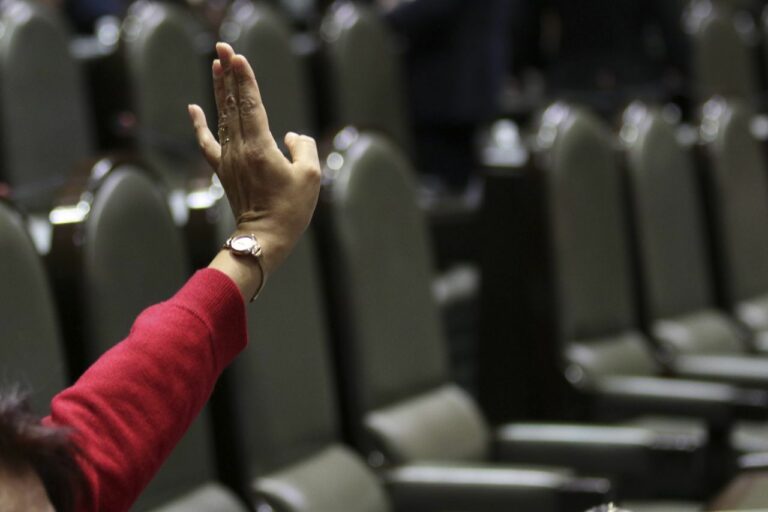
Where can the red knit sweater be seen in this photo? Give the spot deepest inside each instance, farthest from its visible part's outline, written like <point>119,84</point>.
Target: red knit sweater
<point>136,402</point>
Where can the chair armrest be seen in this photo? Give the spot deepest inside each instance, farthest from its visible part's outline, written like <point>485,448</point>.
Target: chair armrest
<point>737,370</point>
<point>492,488</point>
<point>718,404</point>
<point>754,461</point>
<point>625,454</point>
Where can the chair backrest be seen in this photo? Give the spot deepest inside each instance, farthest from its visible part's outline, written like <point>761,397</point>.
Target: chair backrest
<point>133,256</point>
<point>592,268</point>
<point>284,402</point>
<point>671,238</point>
<point>31,350</point>
<point>739,189</point>
<point>722,63</point>
<point>167,72</point>
<point>43,118</point>
<point>365,77</point>
<point>261,34</point>
<point>396,352</point>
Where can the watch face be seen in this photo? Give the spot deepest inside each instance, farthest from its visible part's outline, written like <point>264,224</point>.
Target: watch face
<point>243,244</point>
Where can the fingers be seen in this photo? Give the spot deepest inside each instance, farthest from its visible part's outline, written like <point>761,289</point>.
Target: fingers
<point>229,125</point>
<point>208,145</point>
<point>218,86</point>
<point>303,152</point>
<point>253,117</point>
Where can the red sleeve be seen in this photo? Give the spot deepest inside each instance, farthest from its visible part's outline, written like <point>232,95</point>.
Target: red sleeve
<point>134,404</point>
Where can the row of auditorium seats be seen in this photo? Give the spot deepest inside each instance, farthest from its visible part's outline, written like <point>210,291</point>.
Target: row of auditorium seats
<point>622,269</point>
<point>367,364</point>
<point>278,411</point>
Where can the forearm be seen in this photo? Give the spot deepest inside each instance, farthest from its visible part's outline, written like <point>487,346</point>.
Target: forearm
<point>133,405</point>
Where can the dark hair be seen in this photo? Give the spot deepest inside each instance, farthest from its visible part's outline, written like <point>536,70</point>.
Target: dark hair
<point>25,443</point>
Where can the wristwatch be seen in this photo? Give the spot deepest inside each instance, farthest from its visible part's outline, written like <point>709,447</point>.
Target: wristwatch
<point>248,245</point>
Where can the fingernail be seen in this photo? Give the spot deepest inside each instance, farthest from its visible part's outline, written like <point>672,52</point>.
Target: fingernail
<point>291,134</point>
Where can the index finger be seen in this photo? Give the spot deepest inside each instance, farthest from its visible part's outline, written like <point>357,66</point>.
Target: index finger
<point>253,115</point>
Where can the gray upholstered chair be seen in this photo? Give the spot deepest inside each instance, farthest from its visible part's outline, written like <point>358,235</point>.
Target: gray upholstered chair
<point>365,80</point>
<point>721,58</point>
<point>259,32</point>
<point>31,348</point>
<point>166,71</point>
<point>131,256</point>
<point>701,340</point>
<point>283,412</point>
<point>738,187</point>
<point>674,255</point>
<point>283,391</point>
<point>404,407</point>
<point>42,104</point>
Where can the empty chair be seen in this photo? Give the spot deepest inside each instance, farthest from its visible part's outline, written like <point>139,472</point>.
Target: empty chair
<point>42,104</point>
<point>722,61</point>
<point>403,407</point>
<point>284,414</point>
<point>364,79</point>
<point>132,257</point>
<point>259,32</point>
<point>738,187</point>
<point>700,339</point>
<point>676,269</point>
<point>166,72</point>
<point>31,350</point>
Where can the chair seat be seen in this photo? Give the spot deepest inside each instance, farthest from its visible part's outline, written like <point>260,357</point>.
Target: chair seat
<point>209,497</point>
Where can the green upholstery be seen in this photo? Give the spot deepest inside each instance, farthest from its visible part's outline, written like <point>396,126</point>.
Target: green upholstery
<point>34,54</point>
<point>284,403</point>
<point>208,498</point>
<point>365,78</point>
<point>30,341</point>
<point>260,33</point>
<point>415,429</point>
<point>334,478</point>
<point>167,72</point>
<point>722,62</point>
<point>669,225</point>
<point>133,258</point>
<point>590,245</point>
<point>389,275</point>
<point>739,187</point>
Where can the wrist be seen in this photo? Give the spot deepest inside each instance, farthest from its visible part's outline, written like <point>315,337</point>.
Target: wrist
<point>273,246</point>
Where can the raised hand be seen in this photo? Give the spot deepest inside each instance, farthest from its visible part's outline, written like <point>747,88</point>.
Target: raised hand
<point>270,196</point>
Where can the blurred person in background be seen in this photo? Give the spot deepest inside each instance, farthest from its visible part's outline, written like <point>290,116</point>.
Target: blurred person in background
<point>603,52</point>
<point>455,60</point>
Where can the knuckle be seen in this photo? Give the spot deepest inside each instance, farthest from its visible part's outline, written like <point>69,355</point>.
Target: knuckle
<point>311,172</point>
<point>255,154</point>
<point>247,105</point>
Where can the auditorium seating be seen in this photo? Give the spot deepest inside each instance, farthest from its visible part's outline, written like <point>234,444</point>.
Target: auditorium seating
<point>365,83</point>
<point>345,399</point>
<point>38,156</point>
<point>131,256</point>
<point>415,413</point>
<point>31,345</point>
<point>259,32</point>
<point>283,410</point>
<point>738,187</point>
<point>166,71</point>
<point>721,61</point>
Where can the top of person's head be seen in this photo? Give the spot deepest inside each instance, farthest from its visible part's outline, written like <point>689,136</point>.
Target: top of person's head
<point>32,454</point>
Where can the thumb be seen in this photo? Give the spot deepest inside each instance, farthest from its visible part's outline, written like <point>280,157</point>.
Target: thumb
<point>303,151</point>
